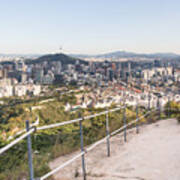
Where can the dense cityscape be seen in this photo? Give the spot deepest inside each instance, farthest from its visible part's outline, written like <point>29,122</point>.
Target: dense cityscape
<point>141,81</point>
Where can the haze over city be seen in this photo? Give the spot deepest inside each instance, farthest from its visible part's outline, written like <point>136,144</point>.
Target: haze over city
<point>89,27</point>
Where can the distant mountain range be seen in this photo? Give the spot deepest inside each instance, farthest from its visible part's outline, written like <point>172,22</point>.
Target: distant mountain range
<point>115,54</point>
<point>72,58</point>
<point>20,55</point>
<point>124,54</point>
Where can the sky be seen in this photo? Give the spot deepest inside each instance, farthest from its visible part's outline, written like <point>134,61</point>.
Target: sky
<point>89,26</point>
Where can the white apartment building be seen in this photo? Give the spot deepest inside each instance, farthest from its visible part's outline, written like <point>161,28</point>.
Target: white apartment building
<point>177,76</point>
<point>6,91</point>
<point>34,89</point>
<point>149,73</point>
<point>5,82</point>
<point>19,90</point>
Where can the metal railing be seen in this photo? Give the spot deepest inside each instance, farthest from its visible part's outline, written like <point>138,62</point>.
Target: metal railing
<point>105,139</point>
<point>33,129</point>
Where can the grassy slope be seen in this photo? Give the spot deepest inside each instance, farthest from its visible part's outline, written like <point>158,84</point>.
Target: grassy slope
<point>52,143</point>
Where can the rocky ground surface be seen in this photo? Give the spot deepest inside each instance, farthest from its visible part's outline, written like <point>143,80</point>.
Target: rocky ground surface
<point>153,154</point>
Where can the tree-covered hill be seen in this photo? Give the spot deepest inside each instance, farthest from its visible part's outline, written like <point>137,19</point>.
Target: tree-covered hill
<point>64,59</point>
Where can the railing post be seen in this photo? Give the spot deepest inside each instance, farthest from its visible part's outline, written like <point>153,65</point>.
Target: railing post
<point>124,120</point>
<point>149,101</point>
<point>168,106</point>
<point>159,109</point>
<point>137,120</point>
<point>107,133</point>
<point>82,150</point>
<point>29,145</point>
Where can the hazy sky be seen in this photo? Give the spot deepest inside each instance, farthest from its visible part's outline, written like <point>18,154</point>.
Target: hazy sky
<point>89,26</point>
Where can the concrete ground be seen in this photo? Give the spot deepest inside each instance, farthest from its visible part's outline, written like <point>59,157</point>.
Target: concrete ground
<point>153,154</point>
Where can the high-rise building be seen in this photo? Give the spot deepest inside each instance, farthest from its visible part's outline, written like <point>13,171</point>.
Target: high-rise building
<point>157,63</point>
<point>77,62</point>
<point>92,67</point>
<point>129,72</point>
<point>129,67</point>
<point>20,65</point>
<point>114,67</point>
<point>5,72</point>
<point>58,67</point>
<point>1,72</point>
<point>39,73</point>
<point>110,74</point>
<point>23,77</point>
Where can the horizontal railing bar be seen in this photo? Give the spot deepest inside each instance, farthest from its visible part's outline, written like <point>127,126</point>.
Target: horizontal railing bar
<point>125,126</point>
<point>95,115</point>
<point>114,132</point>
<point>76,120</point>
<point>2,150</point>
<point>130,123</point>
<point>59,124</point>
<point>61,166</point>
<point>97,143</point>
<point>90,148</point>
<point>24,130</point>
<point>116,109</point>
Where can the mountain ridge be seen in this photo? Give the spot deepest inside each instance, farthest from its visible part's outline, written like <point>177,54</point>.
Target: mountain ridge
<point>126,54</point>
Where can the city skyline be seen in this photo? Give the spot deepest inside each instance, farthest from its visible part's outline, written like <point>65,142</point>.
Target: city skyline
<point>83,27</point>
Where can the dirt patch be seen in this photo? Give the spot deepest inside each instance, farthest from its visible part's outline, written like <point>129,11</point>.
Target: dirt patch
<point>152,154</point>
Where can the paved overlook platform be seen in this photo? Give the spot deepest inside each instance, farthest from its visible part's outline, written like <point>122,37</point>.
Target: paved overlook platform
<point>154,154</point>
